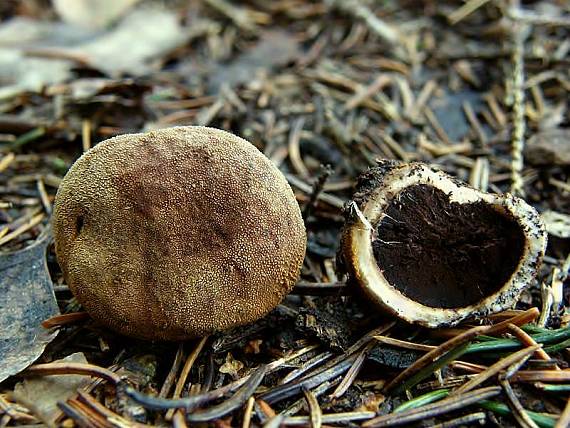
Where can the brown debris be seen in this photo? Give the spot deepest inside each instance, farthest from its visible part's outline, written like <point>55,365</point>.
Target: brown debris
<point>311,84</point>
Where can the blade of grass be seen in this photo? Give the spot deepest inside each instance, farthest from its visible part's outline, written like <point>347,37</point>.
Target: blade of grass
<point>558,347</point>
<point>433,355</point>
<point>552,388</point>
<point>28,137</point>
<point>436,409</point>
<point>495,369</point>
<point>512,344</point>
<point>422,400</point>
<point>428,370</point>
<point>541,420</point>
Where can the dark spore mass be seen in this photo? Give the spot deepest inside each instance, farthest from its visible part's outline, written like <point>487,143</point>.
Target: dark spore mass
<point>443,254</point>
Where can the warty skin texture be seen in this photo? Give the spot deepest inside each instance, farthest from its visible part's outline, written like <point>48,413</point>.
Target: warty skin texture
<point>177,233</point>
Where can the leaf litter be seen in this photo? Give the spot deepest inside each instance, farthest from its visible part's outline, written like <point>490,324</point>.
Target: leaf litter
<point>27,300</point>
<point>309,83</point>
<point>23,62</point>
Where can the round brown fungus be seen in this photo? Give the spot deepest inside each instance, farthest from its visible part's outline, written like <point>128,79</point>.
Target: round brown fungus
<point>177,233</point>
<point>435,251</point>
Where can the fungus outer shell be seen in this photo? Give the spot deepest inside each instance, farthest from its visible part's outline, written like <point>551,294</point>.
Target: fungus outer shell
<point>378,188</point>
<point>177,233</point>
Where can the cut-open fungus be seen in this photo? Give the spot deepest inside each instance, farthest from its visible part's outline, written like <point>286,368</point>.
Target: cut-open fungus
<point>177,233</point>
<point>434,251</point>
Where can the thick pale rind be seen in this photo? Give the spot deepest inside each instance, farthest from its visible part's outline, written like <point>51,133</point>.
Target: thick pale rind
<point>177,233</point>
<point>360,264</point>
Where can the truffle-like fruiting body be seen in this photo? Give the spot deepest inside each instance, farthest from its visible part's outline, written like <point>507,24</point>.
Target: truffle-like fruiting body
<point>433,251</point>
<point>177,233</point>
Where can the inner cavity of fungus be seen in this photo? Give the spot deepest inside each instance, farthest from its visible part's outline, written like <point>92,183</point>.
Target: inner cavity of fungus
<point>444,254</point>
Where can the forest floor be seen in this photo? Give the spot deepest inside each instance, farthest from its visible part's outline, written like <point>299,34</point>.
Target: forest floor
<point>478,89</point>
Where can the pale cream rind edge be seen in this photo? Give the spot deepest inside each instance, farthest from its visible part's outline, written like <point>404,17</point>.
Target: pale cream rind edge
<point>359,238</point>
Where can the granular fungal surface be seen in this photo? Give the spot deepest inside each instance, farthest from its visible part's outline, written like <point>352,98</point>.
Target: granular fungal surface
<point>445,254</point>
<point>310,84</point>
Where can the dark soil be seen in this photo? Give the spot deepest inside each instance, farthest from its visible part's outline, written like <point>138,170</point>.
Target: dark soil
<point>310,84</point>
<point>445,254</point>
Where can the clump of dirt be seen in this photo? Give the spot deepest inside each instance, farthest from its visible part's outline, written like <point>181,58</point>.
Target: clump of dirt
<point>444,254</point>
